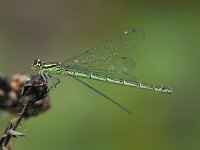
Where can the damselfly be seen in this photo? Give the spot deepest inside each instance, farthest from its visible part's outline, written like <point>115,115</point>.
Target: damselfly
<point>106,62</point>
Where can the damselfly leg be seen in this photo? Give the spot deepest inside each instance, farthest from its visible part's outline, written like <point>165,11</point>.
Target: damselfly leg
<point>55,81</point>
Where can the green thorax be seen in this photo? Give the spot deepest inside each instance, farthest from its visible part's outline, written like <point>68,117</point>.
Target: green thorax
<point>54,68</point>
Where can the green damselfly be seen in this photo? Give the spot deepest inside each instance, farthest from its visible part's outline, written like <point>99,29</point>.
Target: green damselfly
<point>106,62</point>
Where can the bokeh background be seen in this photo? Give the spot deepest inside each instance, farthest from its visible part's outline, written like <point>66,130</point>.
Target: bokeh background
<point>80,119</point>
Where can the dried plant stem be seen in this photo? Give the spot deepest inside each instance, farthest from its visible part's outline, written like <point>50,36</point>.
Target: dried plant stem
<point>10,130</point>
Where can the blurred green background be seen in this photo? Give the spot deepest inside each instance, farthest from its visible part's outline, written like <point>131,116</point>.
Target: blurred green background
<point>80,119</point>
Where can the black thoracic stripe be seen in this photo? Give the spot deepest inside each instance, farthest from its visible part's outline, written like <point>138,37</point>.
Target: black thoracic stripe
<point>46,66</point>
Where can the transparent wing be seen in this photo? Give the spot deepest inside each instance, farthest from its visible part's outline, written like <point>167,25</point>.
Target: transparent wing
<point>114,67</point>
<point>108,58</point>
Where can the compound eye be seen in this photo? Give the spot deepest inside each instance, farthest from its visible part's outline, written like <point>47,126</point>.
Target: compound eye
<point>34,62</point>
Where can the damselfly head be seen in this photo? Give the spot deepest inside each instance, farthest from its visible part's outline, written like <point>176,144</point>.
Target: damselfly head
<point>36,65</point>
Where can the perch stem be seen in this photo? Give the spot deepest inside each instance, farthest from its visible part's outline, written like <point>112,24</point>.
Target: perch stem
<point>12,127</point>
